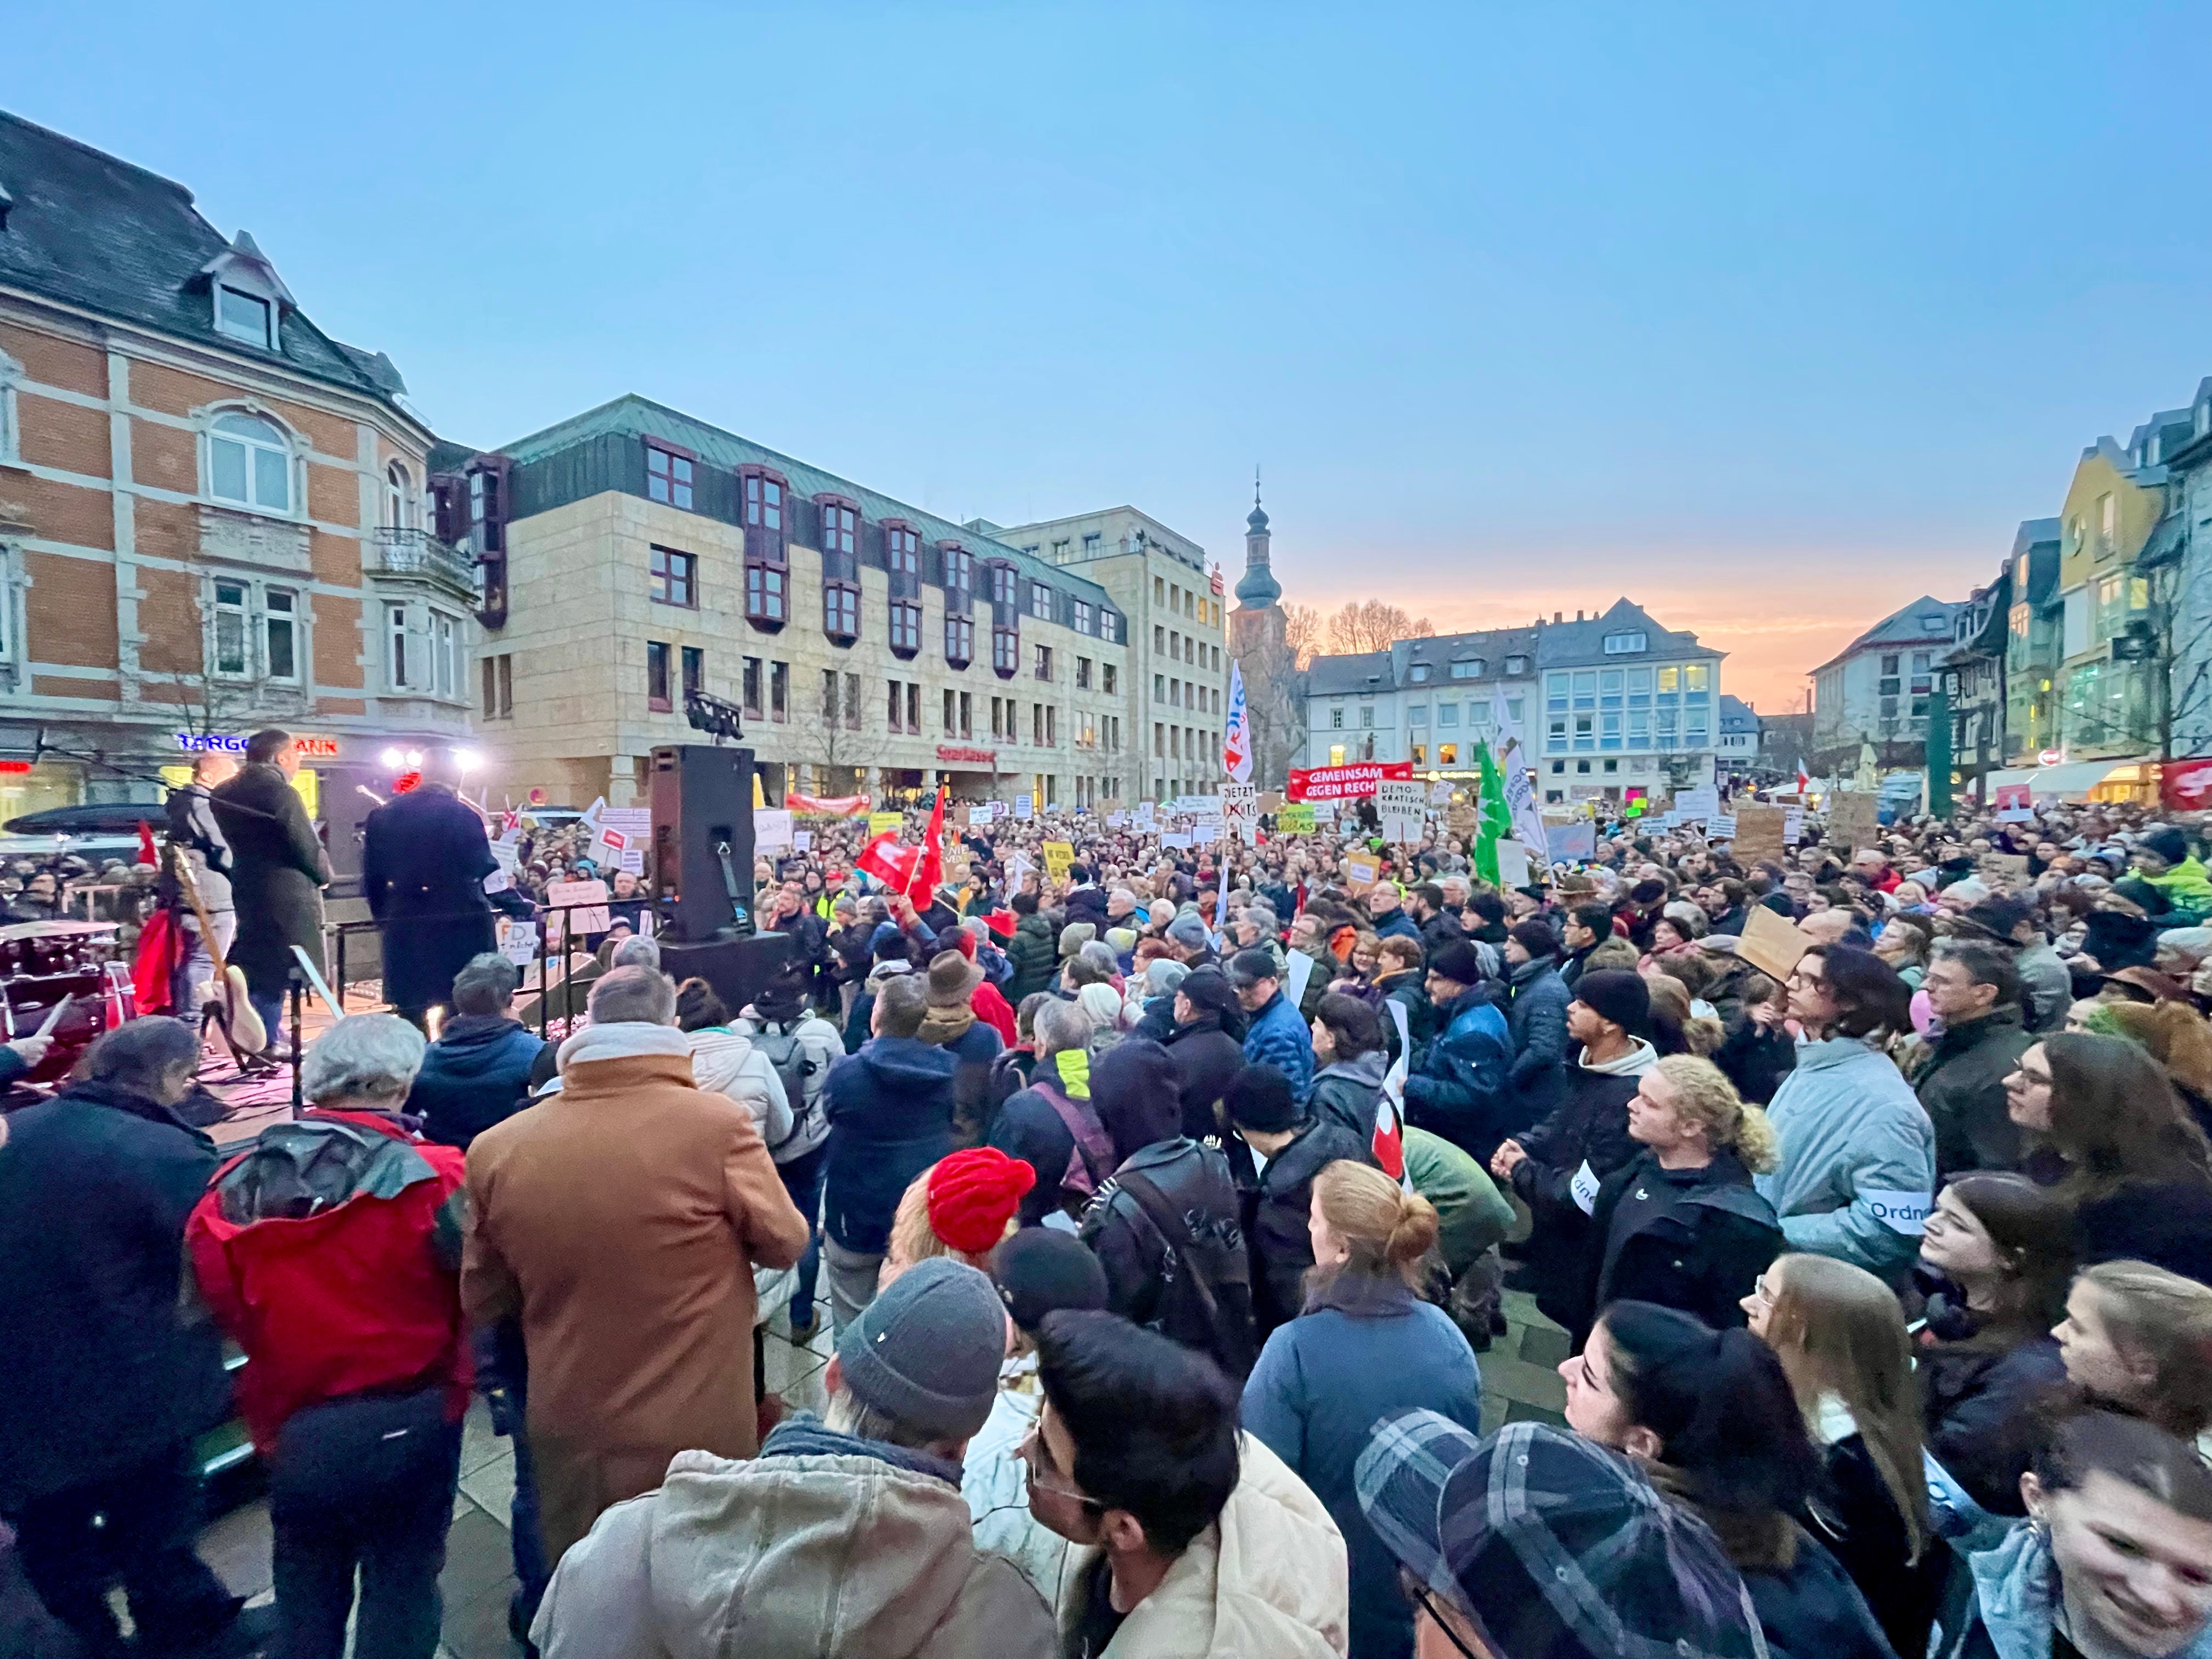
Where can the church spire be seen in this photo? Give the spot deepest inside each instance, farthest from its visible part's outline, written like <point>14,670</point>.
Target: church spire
<point>1258,587</point>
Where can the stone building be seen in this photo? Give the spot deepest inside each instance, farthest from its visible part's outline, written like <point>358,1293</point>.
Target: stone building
<point>634,554</point>
<point>1178,677</point>
<point>212,514</point>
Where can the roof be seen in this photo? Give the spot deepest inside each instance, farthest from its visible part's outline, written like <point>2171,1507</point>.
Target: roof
<point>1168,540</point>
<point>636,416</point>
<point>1901,627</point>
<point>2033,533</point>
<point>1737,715</point>
<point>91,230</point>
<point>1343,676</point>
<point>1562,643</point>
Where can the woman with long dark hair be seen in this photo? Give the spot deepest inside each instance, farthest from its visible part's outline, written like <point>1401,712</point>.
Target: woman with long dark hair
<point>1711,1418</point>
<point>1995,1257</point>
<point>2135,1165</point>
<point>1365,1348</point>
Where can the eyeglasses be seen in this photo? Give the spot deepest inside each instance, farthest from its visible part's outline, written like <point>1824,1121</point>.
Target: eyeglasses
<point>1032,1451</point>
<point>1418,1592</point>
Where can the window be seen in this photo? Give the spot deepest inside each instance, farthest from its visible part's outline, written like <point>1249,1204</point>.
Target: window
<point>1110,678</point>
<point>841,610</point>
<point>396,665</point>
<point>1051,726</point>
<point>667,476</point>
<point>656,676</point>
<point>967,716</point>
<point>487,521</point>
<point>952,705</point>
<point>763,499</point>
<point>829,696</point>
<point>895,706</point>
<point>1336,718</point>
<point>765,594</point>
<point>1091,544</point>
<point>1615,644</point>
<point>959,641</point>
<point>749,686</point>
<point>1447,714</point>
<point>1418,715</point>
<point>445,654</point>
<point>1447,754</point>
<point>250,463</point>
<point>398,497</point>
<point>1082,673</point>
<point>1516,664</point>
<point>906,627</point>
<point>694,669</point>
<point>1418,674</point>
<point>1468,668</point>
<point>1514,708</point>
<point>1043,662</point>
<point>840,529</point>
<point>852,701</point>
<point>1697,680</point>
<point>779,690</point>
<point>2108,523</point>
<point>244,317</point>
<point>902,552</point>
<point>1420,754</point>
<point>1041,601</point>
<point>1002,584</point>
<point>1081,612</point>
<point>1006,650</point>
<point>675,577</point>
<point>1059,552</point>
<point>230,634</point>
<point>498,686</point>
<point>959,568</point>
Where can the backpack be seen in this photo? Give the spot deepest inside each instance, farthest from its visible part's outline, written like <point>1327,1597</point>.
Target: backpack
<point>793,1066</point>
<point>1205,1301</point>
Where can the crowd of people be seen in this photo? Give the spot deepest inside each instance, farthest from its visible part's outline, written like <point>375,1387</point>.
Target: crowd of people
<point>1157,1205</point>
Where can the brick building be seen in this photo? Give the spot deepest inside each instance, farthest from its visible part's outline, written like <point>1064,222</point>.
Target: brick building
<point>633,554</point>
<point>213,516</point>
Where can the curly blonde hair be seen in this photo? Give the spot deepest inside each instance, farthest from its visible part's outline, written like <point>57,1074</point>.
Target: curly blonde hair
<point>1703,1094</point>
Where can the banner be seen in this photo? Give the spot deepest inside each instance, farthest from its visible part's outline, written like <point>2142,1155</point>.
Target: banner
<point>1346,782</point>
<point>1236,734</point>
<point>1521,797</point>
<point>819,806</point>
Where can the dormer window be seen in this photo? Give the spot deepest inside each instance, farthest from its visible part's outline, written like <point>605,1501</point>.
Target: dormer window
<point>668,475</point>
<point>1516,664</point>
<point>1617,644</point>
<point>243,316</point>
<point>1418,674</point>
<point>1468,668</point>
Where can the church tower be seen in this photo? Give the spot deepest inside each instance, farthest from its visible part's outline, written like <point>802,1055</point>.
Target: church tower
<point>1257,639</point>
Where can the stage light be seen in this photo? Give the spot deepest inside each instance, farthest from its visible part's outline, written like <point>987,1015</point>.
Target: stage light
<point>393,759</point>
<point>467,759</point>
<point>414,757</point>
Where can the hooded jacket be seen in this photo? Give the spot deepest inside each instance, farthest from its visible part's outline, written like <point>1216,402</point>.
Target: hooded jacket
<point>475,1075</point>
<point>1035,952</point>
<point>1589,1129</point>
<point>1961,1085</point>
<point>1459,1088</point>
<point>1267,1577</point>
<point>823,1544</point>
<point>1207,1058</point>
<point>1854,1143</point>
<point>891,1117</point>
<point>725,1062</point>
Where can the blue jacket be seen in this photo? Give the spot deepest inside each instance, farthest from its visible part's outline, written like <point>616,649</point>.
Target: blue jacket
<point>889,1108</point>
<point>1858,1150</point>
<point>1323,1382</point>
<point>1278,1038</point>
<point>475,1075</point>
<point>1459,1089</point>
<point>1538,1016</point>
<point>1404,926</point>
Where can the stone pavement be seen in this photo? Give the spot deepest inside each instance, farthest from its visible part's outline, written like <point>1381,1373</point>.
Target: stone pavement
<point>1520,1383</point>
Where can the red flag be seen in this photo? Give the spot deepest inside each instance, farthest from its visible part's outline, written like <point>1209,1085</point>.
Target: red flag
<point>890,860</point>
<point>1001,922</point>
<point>146,853</point>
<point>1803,782</point>
<point>1389,1141</point>
<point>931,870</point>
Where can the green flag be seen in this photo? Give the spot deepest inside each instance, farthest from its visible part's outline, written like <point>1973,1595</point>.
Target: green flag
<point>1495,816</point>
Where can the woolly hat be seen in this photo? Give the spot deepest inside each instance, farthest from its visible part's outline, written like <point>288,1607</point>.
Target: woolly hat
<point>925,1352</point>
<point>2168,842</point>
<point>974,1193</point>
<point>2117,939</point>
<point>1458,961</point>
<point>1075,936</point>
<point>1039,1271</point>
<point>1209,991</point>
<point>1619,996</point>
<point>1188,931</point>
<point>1121,938</point>
<point>1260,1098</point>
<point>1534,936</point>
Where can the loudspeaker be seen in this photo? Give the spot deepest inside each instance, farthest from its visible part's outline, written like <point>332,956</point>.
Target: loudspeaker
<point>703,840</point>
<point>737,969</point>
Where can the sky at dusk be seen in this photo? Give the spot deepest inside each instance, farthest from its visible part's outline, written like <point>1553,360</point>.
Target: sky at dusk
<point>1769,317</point>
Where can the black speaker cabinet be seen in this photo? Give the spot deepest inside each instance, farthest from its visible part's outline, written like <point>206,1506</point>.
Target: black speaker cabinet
<point>703,840</point>
<point>737,969</point>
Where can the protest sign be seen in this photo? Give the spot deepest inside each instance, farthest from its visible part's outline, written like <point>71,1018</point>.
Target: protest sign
<point>1852,819</point>
<point>1058,856</point>
<point>1176,840</point>
<point>1758,833</point>
<point>1024,808</point>
<point>1401,808</point>
<point>518,940</point>
<point>1568,842</point>
<point>1771,945</point>
<point>878,823</point>
<point>1721,826</point>
<point>1512,864</point>
<point>1702,802</point>
<point>560,895</point>
<point>1295,818</point>
<point>1361,872</point>
<point>802,841</point>
<point>1345,782</point>
<point>1793,825</point>
<point>772,831</point>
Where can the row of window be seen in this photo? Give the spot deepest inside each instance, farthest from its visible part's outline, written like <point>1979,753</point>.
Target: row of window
<point>1185,741</point>
<point>1179,647</point>
<point>257,633</point>
<point>1568,689</point>
<point>1184,694</point>
<point>1635,728</point>
<point>1467,668</point>
<point>1186,602</point>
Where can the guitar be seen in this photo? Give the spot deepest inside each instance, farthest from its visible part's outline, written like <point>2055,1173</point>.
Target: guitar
<point>225,994</point>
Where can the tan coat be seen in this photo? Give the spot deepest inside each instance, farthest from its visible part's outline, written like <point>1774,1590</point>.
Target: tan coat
<point>621,1217</point>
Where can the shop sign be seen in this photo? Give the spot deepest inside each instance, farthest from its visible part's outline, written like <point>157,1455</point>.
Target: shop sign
<point>960,757</point>
<point>225,743</point>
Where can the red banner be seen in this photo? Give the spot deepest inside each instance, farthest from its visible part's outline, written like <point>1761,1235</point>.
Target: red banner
<point>837,806</point>
<point>1346,782</point>
<point>2186,786</point>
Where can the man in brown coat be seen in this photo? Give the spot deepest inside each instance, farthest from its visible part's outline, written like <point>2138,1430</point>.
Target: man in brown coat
<point>621,1217</point>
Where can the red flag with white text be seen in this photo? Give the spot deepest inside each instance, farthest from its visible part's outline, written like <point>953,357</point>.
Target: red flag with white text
<point>931,869</point>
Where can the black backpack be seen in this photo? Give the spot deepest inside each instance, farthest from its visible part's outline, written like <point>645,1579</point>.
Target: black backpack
<point>1205,1300</point>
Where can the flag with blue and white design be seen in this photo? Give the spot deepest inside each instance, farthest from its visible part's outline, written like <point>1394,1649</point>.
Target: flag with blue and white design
<point>1237,733</point>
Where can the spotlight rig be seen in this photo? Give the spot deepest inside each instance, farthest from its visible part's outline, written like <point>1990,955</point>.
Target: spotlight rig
<point>717,718</point>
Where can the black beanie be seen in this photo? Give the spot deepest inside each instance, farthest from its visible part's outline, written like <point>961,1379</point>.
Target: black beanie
<point>1534,938</point>
<point>1039,1271</point>
<point>1458,961</point>
<point>1617,994</point>
<point>1259,1097</point>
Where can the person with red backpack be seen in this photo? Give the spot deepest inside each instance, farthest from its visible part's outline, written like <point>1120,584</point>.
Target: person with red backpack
<point>331,1250</point>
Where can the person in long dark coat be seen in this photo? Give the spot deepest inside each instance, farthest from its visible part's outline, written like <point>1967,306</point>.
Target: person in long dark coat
<point>424,859</point>
<point>278,872</point>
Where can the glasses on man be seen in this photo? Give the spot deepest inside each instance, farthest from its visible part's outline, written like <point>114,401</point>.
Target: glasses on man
<point>1036,1457</point>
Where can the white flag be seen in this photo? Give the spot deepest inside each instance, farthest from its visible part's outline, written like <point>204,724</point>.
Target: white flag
<point>1237,733</point>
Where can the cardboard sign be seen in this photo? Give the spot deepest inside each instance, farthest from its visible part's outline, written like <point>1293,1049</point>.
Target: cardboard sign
<point>882,822</point>
<point>1793,825</point>
<point>1759,833</point>
<point>1852,820</point>
<point>1271,800</point>
<point>1461,819</point>
<point>591,919</point>
<point>1295,818</point>
<point>2008,866</point>
<point>1402,808</point>
<point>518,940</point>
<point>1058,856</point>
<point>1361,872</point>
<point>1512,864</point>
<point>1703,802</point>
<point>772,831</point>
<point>1771,945</point>
<point>1566,843</point>
<point>1721,826</point>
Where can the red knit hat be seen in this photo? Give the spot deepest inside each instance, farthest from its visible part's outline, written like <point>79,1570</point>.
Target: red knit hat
<point>973,1195</point>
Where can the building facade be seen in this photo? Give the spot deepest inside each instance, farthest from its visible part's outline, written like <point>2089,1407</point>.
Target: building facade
<point>214,517</point>
<point>1738,749</point>
<point>1876,689</point>
<point>2032,633</point>
<point>644,555</point>
<point>1630,709</point>
<point>1176,689</point>
<point>1972,677</point>
<point>2182,548</point>
<point>1429,701</point>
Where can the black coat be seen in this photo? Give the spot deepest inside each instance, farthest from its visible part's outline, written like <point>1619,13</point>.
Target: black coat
<point>1207,1058</point>
<point>2168,1224</point>
<point>1144,1274</point>
<point>1977,1406</point>
<point>1591,1126</point>
<point>1756,1060</point>
<point>277,876</point>
<point>1812,1610</point>
<point>1278,1210</point>
<point>1701,1254</point>
<point>1853,1514</point>
<point>424,859</point>
<point>106,1366</point>
<point>1962,1086</point>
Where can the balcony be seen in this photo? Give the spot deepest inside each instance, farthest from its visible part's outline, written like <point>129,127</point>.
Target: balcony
<point>420,556</point>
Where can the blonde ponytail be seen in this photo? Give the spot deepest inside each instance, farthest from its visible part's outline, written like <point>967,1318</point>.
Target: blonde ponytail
<point>1387,1230</point>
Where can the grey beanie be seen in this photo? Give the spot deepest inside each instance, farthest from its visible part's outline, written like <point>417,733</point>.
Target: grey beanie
<point>1189,931</point>
<point>925,1352</point>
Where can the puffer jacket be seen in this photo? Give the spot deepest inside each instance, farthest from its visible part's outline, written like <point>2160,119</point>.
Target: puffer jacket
<point>1278,1036</point>
<point>2188,890</point>
<point>1459,1088</point>
<point>821,1544</point>
<point>1035,952</point>
<point>1537,1017</point>
<point>1858,1153</point>
<point>1268,1576</point>
<point>725,1062</point>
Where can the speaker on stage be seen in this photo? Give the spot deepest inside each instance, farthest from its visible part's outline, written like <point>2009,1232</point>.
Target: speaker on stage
<point>703,840</point>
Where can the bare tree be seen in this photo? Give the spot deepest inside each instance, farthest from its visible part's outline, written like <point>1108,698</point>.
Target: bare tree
<point>1372,625</point>
<point>1303,629</point>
